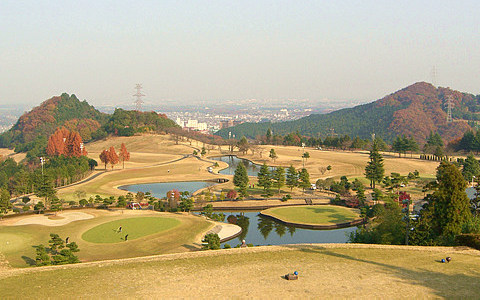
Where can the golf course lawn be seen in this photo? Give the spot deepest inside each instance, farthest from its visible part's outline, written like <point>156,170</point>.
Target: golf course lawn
<point>317,215</point>
<point>134,227</point>
<point>171,233</point>
<point>325,272</point>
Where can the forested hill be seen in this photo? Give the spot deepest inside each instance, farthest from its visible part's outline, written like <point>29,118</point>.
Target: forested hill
<point>41,121</point>
<point>414,111</point>
<point>33,128</point>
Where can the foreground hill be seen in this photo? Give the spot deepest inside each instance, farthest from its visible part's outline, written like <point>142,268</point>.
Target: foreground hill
<point>34,127</point>
<point>325,271</point>
<point>41,121</point>
<point>414,111</point>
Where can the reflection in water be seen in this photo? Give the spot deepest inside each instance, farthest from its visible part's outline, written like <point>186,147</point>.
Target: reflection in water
<point>233,161</point>
<point>260,230</point>
<point>244,223</point>
<point>291,230</point>
<point>265,226</point>
<point>280,229</point>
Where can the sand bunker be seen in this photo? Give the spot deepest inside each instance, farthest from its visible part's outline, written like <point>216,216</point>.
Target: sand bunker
<point>67,217</point>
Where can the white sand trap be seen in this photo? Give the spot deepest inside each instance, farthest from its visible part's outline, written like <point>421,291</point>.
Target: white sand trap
<point>226,231</point>
<point>67,217</point>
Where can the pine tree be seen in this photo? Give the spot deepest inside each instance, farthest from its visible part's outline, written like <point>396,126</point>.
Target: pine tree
<point>124,154</point>
<point>451,203</point>
<point>42,258</point>
<point>240,179</point>
<point>278,177</point>
<point>374,169</point>
<point>265,179</point>
<point>292,177</point>
<point>471,168</point>
<point>273,155</point>
<point>304,179</point>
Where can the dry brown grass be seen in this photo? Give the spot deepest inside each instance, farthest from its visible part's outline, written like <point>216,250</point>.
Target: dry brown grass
<point>325,271</point>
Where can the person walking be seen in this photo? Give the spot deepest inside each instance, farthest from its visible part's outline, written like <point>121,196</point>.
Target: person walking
<point>126,237</point>
<point>66,240</point>
<point>119,229</point>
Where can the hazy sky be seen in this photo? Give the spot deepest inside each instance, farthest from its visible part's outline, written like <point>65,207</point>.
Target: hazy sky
<point>209,50</point>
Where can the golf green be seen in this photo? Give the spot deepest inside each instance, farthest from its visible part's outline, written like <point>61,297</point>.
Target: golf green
<point>134,227</point>
<point>320,215</point>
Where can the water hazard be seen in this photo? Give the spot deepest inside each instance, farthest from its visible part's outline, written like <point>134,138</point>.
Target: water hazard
<point>233,161</point>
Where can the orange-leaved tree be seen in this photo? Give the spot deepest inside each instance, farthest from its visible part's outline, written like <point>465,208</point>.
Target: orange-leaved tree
<point>124,154</point>
<point>56,142</point>
<point>104,157</point>
<point>112,157</point>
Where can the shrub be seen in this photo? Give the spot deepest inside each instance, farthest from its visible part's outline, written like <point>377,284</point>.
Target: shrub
<point>227,246</point>
<point>470,240</point>
<point>213,241</point>
<point>26,208</point>
<point>72,203</point>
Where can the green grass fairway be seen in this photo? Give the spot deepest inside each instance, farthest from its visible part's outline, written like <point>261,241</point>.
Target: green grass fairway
<point>317,215</point>
<point>325,272</point>
<point>134,227</point>
<point>149,233</point>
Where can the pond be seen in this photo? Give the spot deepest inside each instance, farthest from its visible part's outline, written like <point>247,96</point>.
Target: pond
<point>233,161</point>
<point>160,189</point>
<point>260,230</point>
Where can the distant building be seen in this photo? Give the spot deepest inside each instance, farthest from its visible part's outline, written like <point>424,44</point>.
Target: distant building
<point>229,123</point>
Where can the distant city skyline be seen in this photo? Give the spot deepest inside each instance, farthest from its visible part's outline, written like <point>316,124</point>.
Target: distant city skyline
<point>202,51</point>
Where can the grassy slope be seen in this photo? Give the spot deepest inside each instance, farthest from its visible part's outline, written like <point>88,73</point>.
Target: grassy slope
<point>320,215</point>
<point>16,241</point>
<point>325,271</point>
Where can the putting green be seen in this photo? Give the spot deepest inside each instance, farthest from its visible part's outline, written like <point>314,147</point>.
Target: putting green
<point>318,215</point>
<point>134,227</point>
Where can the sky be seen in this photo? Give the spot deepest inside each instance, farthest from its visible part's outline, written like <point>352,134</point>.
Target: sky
<point>201,51</point>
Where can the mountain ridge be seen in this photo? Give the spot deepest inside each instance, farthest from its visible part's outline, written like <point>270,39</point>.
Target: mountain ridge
<point>415,110</point>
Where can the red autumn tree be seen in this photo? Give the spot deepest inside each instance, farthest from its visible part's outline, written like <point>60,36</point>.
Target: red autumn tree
<point>104,157</point>
<point>56,142</point>
<point>112,157</point>
<point>74,145</point>
<point>124,154</point>
<point>65,142</point>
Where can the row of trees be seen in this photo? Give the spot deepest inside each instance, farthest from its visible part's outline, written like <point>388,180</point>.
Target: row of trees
<point>111,157</point>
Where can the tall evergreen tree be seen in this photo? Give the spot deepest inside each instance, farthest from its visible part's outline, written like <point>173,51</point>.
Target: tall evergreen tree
<point>304,179</point>
<point>471,168</point>
<point>292,177</point>
<point>278,177</point>
<point>265,179</point>
<point>451,209</point>
<point>240,179</point>
<point>374,170</point>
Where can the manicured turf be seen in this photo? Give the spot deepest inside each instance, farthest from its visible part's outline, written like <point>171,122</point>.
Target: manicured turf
<point>324,273</point>
<point>16,242</point>
<point>320,215</point>
<point>134,227</point>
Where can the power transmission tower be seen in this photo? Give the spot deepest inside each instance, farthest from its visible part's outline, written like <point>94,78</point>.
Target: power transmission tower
<point>138,102</point>
<point>449,104</point>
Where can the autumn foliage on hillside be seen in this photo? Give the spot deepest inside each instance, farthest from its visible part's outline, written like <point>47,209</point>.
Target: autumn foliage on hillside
<point>43,120</point>
<point>415,111</point>
<point>65,142</point>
